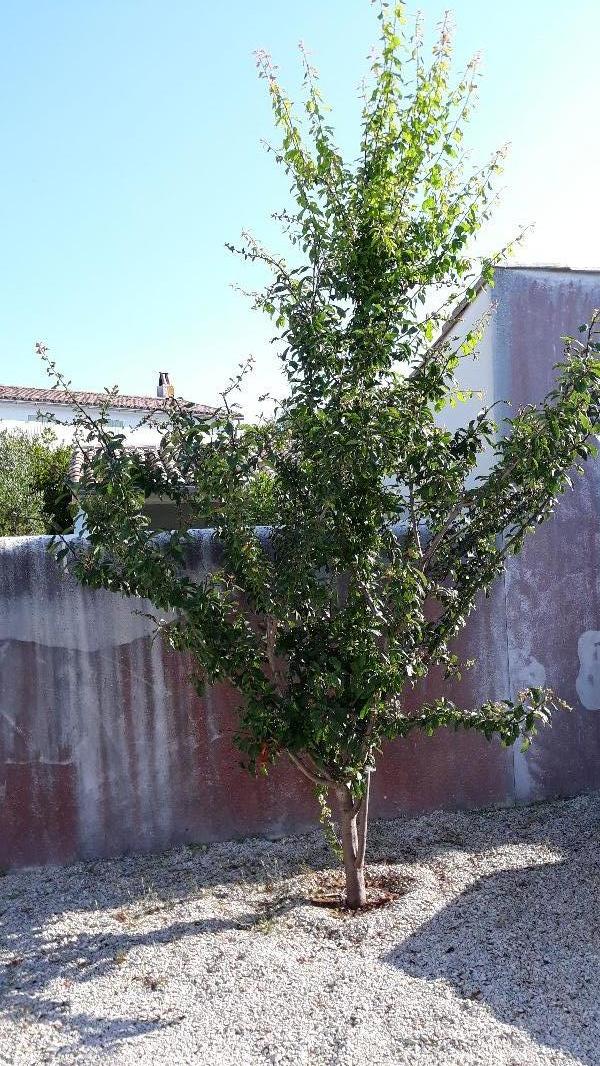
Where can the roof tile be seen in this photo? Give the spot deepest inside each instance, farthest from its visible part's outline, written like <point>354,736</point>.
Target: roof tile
<point>24,394</point>
<point>156,459</point>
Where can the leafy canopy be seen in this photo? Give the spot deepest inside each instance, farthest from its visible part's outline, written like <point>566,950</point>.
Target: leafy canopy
<point>33,471</point>
<point>383,531</point>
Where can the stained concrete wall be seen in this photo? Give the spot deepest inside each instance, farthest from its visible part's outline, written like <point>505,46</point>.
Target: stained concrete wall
<point>105,747</point>
<point>553,588</point>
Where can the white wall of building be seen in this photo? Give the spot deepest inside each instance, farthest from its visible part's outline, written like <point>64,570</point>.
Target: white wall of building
<point>475,372</point>
<point>23,415</point>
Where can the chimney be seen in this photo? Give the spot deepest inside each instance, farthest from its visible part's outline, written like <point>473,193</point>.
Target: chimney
<point>165,389</point>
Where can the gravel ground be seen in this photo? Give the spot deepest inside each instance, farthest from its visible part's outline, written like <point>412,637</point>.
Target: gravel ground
<point>213,954</point>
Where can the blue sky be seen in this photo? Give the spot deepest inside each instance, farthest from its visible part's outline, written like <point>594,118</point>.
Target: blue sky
<point>131,135</point>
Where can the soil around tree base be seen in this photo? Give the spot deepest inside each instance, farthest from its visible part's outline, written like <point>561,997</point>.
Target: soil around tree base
<point>382,890</point>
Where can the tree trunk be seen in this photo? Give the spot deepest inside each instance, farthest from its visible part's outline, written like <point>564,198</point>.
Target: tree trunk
<point>353,822</point>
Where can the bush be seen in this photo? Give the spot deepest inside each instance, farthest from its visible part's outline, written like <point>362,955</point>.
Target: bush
<point>34,494</point>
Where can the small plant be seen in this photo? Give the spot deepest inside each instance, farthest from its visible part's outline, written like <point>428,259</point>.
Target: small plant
<point>328,824</point>
<point>270,874</point>
<point>265,923</point>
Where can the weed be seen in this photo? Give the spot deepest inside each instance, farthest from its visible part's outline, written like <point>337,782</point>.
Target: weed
<point>270,873</point>
<point>151,982</point>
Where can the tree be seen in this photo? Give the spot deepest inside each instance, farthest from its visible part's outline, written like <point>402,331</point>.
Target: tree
<point>33,472</point>
<point>50,463</point>
<point>384,534</point>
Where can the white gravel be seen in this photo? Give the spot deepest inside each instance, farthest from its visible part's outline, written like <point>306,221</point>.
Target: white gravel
<point>213,956</point>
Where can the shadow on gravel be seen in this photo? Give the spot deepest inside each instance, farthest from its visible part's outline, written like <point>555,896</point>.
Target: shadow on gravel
<point>81,1030</point>
<point>526,943</point>
<point>88,957</point>
<point>118,895</point>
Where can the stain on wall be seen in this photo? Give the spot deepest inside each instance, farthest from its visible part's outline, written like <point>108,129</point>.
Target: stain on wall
<point>587,682</point>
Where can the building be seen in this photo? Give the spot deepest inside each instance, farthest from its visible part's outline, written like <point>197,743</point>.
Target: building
<point>27,408</point>
<point>138,417</point>
<point>528,312</point>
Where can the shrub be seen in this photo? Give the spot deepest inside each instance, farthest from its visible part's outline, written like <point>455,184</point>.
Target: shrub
<point>34,495</point>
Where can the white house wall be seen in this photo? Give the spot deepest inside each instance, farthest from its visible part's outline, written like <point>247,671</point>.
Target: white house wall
<point>22,415</point>
<point>476,371</point>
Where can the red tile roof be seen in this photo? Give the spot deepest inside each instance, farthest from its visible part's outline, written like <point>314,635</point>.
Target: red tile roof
<point>23,394</point>
<point>156,459</point>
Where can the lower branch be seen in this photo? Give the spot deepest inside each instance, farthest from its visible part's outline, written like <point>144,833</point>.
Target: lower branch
<point>316,778</point>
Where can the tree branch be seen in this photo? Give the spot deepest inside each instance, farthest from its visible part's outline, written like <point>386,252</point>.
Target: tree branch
<point>323,782</point>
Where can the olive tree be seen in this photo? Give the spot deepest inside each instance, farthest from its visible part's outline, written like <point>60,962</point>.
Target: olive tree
<point>383,533</point>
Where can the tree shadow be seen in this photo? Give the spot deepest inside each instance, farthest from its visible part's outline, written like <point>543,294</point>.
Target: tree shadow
<point>526,943</point>
<point>85,1030</point>
<point>88,957</point>
<point>125,893</point>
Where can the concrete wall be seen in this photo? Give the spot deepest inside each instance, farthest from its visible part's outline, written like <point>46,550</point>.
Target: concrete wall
<point>553,588</point>
<point>104,746</point>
